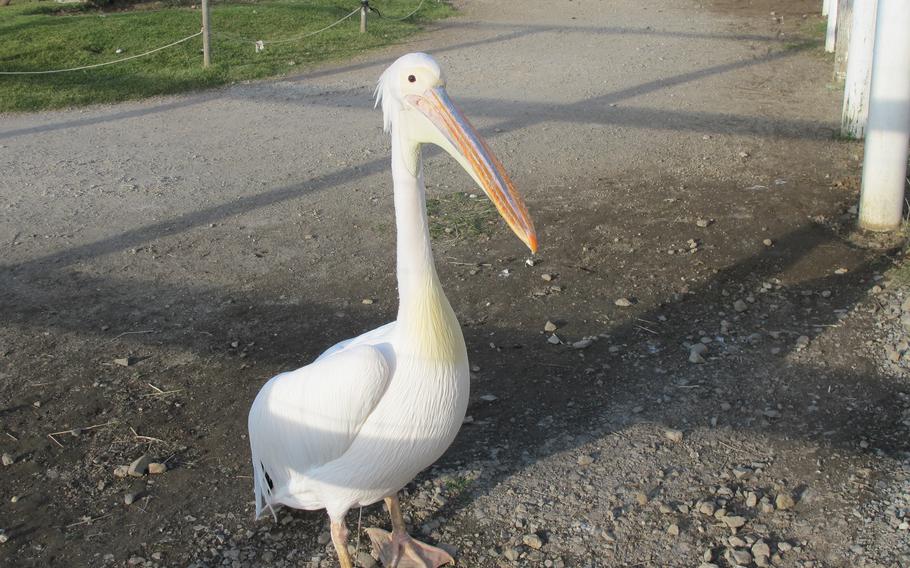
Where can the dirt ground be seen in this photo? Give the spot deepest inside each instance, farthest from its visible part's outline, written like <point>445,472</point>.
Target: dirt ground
<point>161,260</point>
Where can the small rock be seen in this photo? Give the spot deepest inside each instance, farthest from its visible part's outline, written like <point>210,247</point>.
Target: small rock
<point>7,459</point>
<point>707,508</point>
<point>761,549</point>
<point>510,553</point>
<point>125,361</point>
<point>121,471</point>
<point>674,435</point>
<point>768,243</point>
<point>156,468</point>
<point>784,502</point>
<point>734,521</point>
<point>489,397</point>
<point>703,222</point>
<point>699,348</point>
<point>585,459</point>
<point>140,466</point>
<point>841,271</point>
<point>736,542</point>
<point>549,327</point>
<point>367,301</point>
<point>554,340</point>
<point>132,495</point>
<point>546,277</point>
<point>583,344</point>
<point>741,557</point>
<point>533,541</point>
<point>751,499</point>
<point>324,538</point>
<point>673,530</point>
<point>695,358</point>
<point>623,302</point>
<point>364,560</point>
<point>3,537</point>
<point>802,342</point>
<point>740,306</point>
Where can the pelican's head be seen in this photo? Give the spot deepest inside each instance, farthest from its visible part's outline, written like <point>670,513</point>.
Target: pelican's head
<point>416,107</point>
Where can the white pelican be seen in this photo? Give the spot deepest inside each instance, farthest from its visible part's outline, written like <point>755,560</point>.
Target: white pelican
<point>357,424</point>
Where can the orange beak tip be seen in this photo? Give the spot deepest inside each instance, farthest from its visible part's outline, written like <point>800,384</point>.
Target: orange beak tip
<point>532,243</point>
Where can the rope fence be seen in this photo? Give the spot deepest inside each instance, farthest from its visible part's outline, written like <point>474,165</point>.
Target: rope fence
<point>259,44</point>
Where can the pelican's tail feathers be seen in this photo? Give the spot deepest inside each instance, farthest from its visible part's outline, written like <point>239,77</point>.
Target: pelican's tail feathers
<point>262,489</point>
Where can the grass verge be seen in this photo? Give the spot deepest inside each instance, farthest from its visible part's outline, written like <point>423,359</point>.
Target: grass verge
<point>42,35</point>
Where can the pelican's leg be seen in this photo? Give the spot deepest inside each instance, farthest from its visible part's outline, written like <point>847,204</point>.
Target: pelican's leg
<point>340,540</point>
<point>398,550</point>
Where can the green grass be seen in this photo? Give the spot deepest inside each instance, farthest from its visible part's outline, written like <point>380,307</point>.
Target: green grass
<point>458,215</point>
<point>42,35</point>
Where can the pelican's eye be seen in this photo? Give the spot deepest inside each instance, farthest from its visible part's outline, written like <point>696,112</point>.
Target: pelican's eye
<point>412,79</point>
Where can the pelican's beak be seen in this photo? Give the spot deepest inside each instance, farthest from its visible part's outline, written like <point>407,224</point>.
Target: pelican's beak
<point>472,152</point>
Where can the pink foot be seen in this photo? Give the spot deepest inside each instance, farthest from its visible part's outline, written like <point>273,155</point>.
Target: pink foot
<point>402,551</point>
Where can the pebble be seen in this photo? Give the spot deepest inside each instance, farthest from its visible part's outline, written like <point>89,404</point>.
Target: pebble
<point>365,560</point>
<point>121,471</point>
<point>784,502</point>
<point>583,344</point>
<point>324,538</point>
<point>140,466</point>
<point>533,541</point>
<point>546,277</point>
<point>736,542</point>
<point>768,243</point>
<point>802,341</point>
<point>125,361</point>
<point>7,459</point>
<point>489,397</point>
<point>741,557</point>
<point>760,548</point>
<point>706,508</point>
<point>130,496</point>
<point>674,435</point>
<point>734,521</point>
<point>623,302</point>
<point>585,459</point>
<point>554,339</point>
<point>673,530</point>
<point>367,301</point>
<point>695,357</point>
<point>156,468</point>
<point>3,537</point>
<point>510,553</point>
<point>703,222</point>
<point>549,327</point>
<point>740,306</point>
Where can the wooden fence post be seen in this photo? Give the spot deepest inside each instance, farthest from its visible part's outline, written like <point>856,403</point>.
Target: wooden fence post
<point>831,33</point>
<point>842,39</point>
<point>859,70</point>
<point>206,37</point>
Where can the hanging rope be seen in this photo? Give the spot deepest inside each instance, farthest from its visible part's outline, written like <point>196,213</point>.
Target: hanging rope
<point>157,49</point>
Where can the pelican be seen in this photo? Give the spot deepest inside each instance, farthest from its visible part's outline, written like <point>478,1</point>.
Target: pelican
<point>357,424</point>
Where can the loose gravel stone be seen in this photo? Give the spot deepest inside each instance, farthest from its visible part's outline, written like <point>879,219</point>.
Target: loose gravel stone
<point>740,306</point>
<point>7,459</point>
<point>674,435</point>
<point>623,302</point>
<point>784,502</point>
<point>533,541</point>
<point>140,466</point>
<point>156,468</point>
<point>549,327</point>
<point>733,521</point>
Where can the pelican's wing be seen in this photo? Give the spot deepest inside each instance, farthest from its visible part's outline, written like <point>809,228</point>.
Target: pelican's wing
<point>305,418</point>
<point>372,337</point>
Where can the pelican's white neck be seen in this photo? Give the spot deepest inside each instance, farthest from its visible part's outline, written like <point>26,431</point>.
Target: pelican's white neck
<point>415,268</point>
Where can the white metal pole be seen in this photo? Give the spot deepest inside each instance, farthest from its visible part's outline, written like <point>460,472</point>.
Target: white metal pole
<point>859,70</point>
<point>888,134</point>
<point>825,4</point>
<point>832,26</point>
